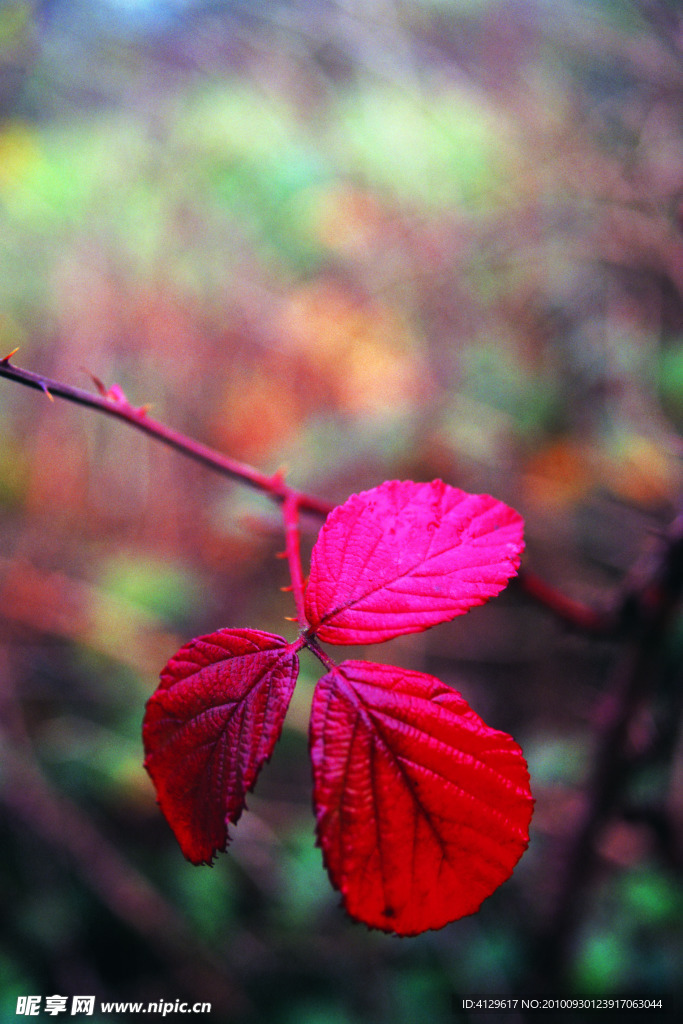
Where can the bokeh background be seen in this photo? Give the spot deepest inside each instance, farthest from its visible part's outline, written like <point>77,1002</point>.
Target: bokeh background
<point>361,239</point>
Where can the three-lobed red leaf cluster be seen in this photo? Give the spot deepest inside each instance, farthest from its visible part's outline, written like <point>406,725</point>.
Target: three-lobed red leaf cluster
<point>422,809</point>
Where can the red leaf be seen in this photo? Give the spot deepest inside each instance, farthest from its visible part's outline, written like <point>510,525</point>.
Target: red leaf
<point>209,728</point>
<point>404,556</point>
<point>422,809</point>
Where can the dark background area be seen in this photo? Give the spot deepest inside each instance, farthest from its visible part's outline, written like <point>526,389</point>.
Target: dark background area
<point>438,238</point>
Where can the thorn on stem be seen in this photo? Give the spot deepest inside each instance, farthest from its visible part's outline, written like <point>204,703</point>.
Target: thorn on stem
<point>44,388</point>
<point>117,396</point>
<point>287,590</point>
<point>291,618</point>
<point>97,382</point>
<point>5,360</point>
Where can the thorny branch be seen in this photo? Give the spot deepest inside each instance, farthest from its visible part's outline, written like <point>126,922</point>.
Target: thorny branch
<point>114,403</point>
<point>610,620</point>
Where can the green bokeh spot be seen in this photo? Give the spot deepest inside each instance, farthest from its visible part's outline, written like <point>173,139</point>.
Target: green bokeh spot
<point>603,963</point>
<point>169,591</point>
<point>652,897</point>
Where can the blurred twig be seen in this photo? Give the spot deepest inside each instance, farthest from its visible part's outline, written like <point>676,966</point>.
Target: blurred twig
<point>650,600</point>
<point>128,894</point>
<point>572,613</point>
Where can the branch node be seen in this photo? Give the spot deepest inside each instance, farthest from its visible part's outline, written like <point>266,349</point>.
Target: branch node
<point>117,396</point>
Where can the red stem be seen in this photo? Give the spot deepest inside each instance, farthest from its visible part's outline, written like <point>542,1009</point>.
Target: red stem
<point>113,403</point>
<point>311,641</point>
<point>290,516</point>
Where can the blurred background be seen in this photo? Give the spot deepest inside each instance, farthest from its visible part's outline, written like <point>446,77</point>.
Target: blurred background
<point>361,240</point>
